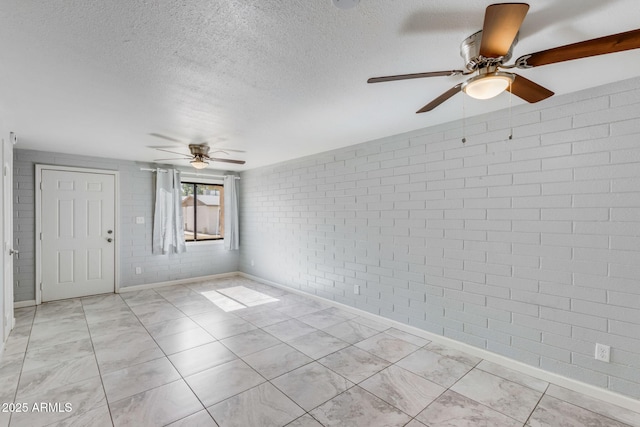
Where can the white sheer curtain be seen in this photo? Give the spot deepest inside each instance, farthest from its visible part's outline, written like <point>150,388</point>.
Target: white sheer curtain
<point>231,229</point>
<point>168,226</point>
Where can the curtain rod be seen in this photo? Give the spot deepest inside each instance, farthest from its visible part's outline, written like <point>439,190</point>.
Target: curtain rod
<point>206,175</point>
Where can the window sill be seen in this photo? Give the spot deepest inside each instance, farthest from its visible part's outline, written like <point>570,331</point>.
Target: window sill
<point>206,243</point>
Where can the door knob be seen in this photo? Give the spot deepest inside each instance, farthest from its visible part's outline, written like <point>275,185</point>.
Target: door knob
<point>109,240</point>
<point>109,231</point>
<point>13,251</point>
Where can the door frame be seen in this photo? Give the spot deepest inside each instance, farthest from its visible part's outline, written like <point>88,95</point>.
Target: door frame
<point>116,234</point>
<point>7,310</point>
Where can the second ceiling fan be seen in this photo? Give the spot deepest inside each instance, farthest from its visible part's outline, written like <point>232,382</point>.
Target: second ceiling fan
<point>487,51</point>
<point>199,157</point>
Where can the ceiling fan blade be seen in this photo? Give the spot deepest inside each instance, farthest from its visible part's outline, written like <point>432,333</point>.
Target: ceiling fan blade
<point>600,46</point>
<point>172,152</point>
<point>229,150</point>
<point>439,100</point>
<point>528,90</point>
<point>217,151</point>
<point>168,138</point>
<point>174,158</point>
<point>501,25</point>
<point>216,159</point>
<point>216,147</point>
<point>414,76</point>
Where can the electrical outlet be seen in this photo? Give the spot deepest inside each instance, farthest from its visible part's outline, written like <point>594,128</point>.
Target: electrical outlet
<point>356,289</point>
<point>138,270</point>
<point>139,220</point>
<point>603,352</point>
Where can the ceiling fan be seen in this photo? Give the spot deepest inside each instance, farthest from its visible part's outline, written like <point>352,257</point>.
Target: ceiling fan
<point>199,157</point>
<point>487,51</point>
<point>169,138</point>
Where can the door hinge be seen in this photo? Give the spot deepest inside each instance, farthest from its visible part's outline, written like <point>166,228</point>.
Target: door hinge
<point>40,236</point>
<point>40,185</point>
<point>40,285</point>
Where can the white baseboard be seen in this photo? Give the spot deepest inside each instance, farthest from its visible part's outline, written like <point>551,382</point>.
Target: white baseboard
<point>175,282</point>
<point>562,381</point>
<point>22,304</point>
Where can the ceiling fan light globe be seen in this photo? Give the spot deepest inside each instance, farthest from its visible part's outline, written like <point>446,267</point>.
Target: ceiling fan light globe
<point>199,164</point>
<point>487,86</point>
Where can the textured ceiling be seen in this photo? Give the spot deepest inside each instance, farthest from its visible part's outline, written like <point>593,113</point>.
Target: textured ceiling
<point>278,78</point>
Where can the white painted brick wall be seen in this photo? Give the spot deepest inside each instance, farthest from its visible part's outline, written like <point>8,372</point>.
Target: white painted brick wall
<point>136,199</point>
<point>529,248</point>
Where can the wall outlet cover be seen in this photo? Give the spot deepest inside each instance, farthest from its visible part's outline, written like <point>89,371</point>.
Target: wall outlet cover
<point>603,352</point>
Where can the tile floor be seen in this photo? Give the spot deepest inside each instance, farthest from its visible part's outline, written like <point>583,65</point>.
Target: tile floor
<point>233,352</point>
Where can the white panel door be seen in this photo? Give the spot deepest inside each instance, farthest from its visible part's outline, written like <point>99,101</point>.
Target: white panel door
<point>78,247</point>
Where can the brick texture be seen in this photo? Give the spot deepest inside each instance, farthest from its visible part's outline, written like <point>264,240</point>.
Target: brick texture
<point>527,247</point>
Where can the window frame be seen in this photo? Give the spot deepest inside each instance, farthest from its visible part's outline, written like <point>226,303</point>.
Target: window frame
<point>202,181</point>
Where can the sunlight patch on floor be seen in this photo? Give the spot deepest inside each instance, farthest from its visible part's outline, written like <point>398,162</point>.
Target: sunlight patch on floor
<point>237,298</point>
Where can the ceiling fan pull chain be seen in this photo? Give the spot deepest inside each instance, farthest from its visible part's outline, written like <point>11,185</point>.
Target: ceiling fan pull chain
<point>464,119</point>
<point>510,111</point>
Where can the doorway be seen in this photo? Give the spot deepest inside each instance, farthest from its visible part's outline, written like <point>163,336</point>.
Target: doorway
<point>7,235</point>
<point>76,232</point>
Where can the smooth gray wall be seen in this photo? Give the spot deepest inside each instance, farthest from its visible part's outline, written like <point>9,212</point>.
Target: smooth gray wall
<point>528,247</point>
<point>136,198</point>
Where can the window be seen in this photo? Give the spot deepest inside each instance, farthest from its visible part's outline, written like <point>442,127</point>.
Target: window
<point>202,211</point>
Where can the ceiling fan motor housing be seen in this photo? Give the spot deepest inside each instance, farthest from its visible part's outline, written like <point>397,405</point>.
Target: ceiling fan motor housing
<point>199,149</point>
<point>470,52</point>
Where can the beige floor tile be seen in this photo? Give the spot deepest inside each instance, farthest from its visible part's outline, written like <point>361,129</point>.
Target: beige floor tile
<point>82,396</point>
<point>550,410</point>
<point>501,395</point>
<point>263,405</point>
<point>156,407</point>
<point>435,367</point>
<point>57,373</point>
<point>453,409</point>
<point>277,360</point>
<point>118,351</point>
<point>387,347</point>
<point>403,389</point>
<point>138,378</point>
<point>250,342</point>
<point>354,364</point>
<point>229,379</point>
<point>201,358</point>
<point>199,419</point>
<point>185,340</point>
<point>311,385</point>
<point>317,344</point>
<point>357,407</point>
